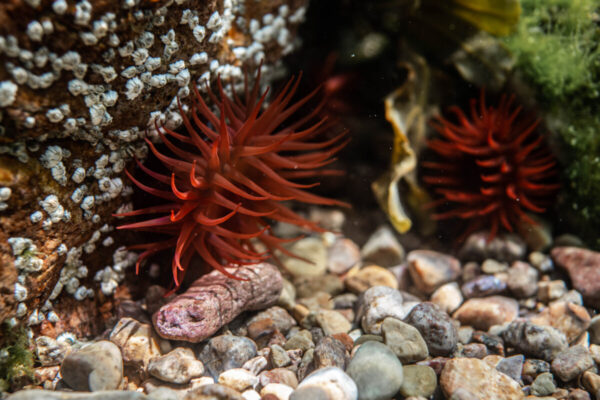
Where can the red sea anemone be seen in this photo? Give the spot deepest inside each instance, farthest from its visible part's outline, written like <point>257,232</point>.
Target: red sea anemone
<point>230,173</point>
<point>492,168</point>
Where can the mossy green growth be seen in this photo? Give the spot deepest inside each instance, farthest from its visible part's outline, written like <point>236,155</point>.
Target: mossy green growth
<point>556,48</point>
<point>16,360</point>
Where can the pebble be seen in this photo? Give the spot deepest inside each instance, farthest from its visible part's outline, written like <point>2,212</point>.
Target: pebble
<point>435,327</point>
<point>279,390</point>
<point>383,248</point>
<point>287,298</point>
<point>281,319</point>
<point>251,394</point>
<point>330,352</point>
<point>330,383</point>
<point>533,367</point>
<point>512,366</point>
<point>537,341</point>
<point>279,357</point>
<point>311,248</point>
<point>503,248</point>
<point>342,255</point>
<point>583,267</point>
<point>226,352</point>
<point>369,276</point>
<point>571,362</point>
<point>484,285</point>
<point>522,280</point>
<point>551,290</point>
<point>213,392</point>
<point>301,340</point>
<point>177,366</point>
<point>59,395</point>
<point>591,382</point>
<point>97,366</point>
<point>333,322</point>
<point>571,319</point>
<point>491,266</point>
<point>377,303</point>
<point>594,330</point>
<point>404,340</point>
<point>477,379</point>
<point>307,286</point>
<point>579,394</point>
<point>430,269</point>
<point>51,352</point>
<point>542,262</point>
<point>256,364</point>
<point>278,375</point>
<point>138,342</point>
<point>474,350</point>
<point>419,380</point>
<point>543,385</point>
<point>482,313</point>
<point>376,371</point>
<point>238,379</point>
<point>447,297</point>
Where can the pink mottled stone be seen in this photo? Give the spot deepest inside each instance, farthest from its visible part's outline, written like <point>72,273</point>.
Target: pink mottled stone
<point>583,267</point>
<point>215,300</point>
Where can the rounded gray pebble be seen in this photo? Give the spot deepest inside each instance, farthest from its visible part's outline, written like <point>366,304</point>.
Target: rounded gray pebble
<point>376,371</point>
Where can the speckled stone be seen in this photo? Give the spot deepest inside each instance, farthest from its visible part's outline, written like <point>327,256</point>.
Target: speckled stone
<point>377,303</point>
<point>583,267</point>
<point>569,318</point>
<point>522,279</point>
<point>436,328</point>
<point>484,285</point>
<point>534,340</point>
<point>226,352</point>
<point>479,379</point>
<point>571,362</point>
<point>330,352</point>
<point>213,391</point>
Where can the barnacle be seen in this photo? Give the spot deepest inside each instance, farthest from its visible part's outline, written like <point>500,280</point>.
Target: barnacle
<point>231,172</point>
<point>492,167</point>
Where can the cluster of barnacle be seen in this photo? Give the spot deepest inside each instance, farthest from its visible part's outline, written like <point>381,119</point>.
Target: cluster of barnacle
<point>130,68</point>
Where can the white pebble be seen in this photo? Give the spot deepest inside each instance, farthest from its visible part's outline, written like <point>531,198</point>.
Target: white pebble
<point>8,93</point>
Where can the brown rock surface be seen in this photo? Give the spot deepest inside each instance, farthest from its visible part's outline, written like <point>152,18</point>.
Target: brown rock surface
<point>79,87</point>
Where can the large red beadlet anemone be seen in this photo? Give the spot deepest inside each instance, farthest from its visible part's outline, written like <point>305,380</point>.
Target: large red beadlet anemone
<point>231,173</point>
<point>492,168</point>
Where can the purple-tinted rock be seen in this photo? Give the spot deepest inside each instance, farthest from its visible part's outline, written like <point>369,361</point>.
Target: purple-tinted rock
<point>568,364</point>
<point>215,300</point>
<point>435,326</point>
<point>583,267</point>
<point>226,352</point>
<point>484,285</point>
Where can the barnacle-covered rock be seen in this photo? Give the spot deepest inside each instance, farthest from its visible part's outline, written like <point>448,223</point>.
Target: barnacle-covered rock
<point>81,83</point>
